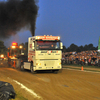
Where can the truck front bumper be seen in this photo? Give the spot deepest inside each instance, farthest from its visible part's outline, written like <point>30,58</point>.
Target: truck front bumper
<point>47,68</point>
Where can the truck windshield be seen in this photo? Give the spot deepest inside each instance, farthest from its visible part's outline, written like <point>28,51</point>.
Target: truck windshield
<point>50,45</point>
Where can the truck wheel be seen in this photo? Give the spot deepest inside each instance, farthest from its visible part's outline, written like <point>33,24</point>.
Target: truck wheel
<point>32,70</point>
<point>22,67</point>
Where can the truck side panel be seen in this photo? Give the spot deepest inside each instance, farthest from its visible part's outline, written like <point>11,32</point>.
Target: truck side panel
<point>31,52</point>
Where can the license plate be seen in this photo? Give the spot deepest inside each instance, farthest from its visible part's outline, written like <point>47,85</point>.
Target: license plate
<point>49,67</point>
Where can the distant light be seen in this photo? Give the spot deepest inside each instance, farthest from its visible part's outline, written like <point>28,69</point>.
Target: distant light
<point>2,56</point>
<point>13,47</point>
<point>20,46</point>
<point>14,44</point>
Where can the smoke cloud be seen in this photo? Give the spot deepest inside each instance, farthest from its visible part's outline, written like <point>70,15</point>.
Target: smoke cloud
<point>17,14</point>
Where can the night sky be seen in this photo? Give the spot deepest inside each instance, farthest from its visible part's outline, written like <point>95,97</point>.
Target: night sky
<point>76,21</point>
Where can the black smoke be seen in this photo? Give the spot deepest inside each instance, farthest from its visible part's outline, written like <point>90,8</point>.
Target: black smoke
<point>17,14</point>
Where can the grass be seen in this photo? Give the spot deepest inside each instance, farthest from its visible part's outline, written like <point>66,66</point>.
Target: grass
<point>92,70</point>
<point>19,96</point>
<point>87,66</point>
<point>75,66</point>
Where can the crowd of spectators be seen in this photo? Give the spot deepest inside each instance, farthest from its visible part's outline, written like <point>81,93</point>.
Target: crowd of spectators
<point>81,58</point>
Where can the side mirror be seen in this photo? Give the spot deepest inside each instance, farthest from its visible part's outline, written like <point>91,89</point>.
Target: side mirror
<point>33,46</point>
<point>61,45</point>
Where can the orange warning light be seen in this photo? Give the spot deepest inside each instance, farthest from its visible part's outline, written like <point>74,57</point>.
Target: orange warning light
<point>14,44</point>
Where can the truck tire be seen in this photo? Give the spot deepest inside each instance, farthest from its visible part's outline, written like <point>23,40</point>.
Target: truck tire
<point>32,70</point>
<point>22,67</point>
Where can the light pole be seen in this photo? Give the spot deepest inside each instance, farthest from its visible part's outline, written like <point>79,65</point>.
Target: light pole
<point>21,48</point>
<point>13,47</point>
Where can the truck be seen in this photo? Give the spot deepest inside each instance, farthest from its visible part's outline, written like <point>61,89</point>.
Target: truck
<point>15,55</point>
<point>44,53</point>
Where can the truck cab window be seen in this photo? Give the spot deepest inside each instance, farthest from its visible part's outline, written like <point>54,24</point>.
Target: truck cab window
<point>48,45</point>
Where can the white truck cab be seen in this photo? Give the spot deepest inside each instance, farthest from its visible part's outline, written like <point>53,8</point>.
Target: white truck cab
<point>44,53</point>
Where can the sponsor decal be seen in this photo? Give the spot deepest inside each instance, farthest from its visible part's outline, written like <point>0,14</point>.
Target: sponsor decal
<point>49,52</point>
<point>48,37</point>
<point>30,45</point>
<point>44,51</point>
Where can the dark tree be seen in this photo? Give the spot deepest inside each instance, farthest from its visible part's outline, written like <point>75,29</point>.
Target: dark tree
<point>72,47</point>
<point>3,49</point>
<point>64,49</point>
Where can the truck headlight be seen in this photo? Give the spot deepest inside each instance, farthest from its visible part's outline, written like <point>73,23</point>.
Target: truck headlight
<point>38,63</point>
<point>59,63</point>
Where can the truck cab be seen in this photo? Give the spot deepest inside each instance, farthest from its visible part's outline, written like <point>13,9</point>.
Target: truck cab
<point>44,53</point>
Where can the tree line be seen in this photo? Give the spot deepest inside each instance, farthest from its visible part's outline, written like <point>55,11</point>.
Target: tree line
<point>76,48</point>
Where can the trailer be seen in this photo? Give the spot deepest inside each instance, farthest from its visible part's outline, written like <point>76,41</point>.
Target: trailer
<point>44,53</point>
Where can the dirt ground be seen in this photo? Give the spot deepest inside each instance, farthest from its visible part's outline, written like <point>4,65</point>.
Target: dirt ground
<point>66,85</point>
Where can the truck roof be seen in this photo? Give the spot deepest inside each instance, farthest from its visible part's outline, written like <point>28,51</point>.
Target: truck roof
<point>45,37</point>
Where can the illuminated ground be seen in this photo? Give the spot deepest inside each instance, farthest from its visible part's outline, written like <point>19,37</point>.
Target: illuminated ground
<point>68,85</point>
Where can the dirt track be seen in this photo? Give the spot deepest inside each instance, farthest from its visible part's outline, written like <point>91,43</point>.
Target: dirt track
<point>67,85</point>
